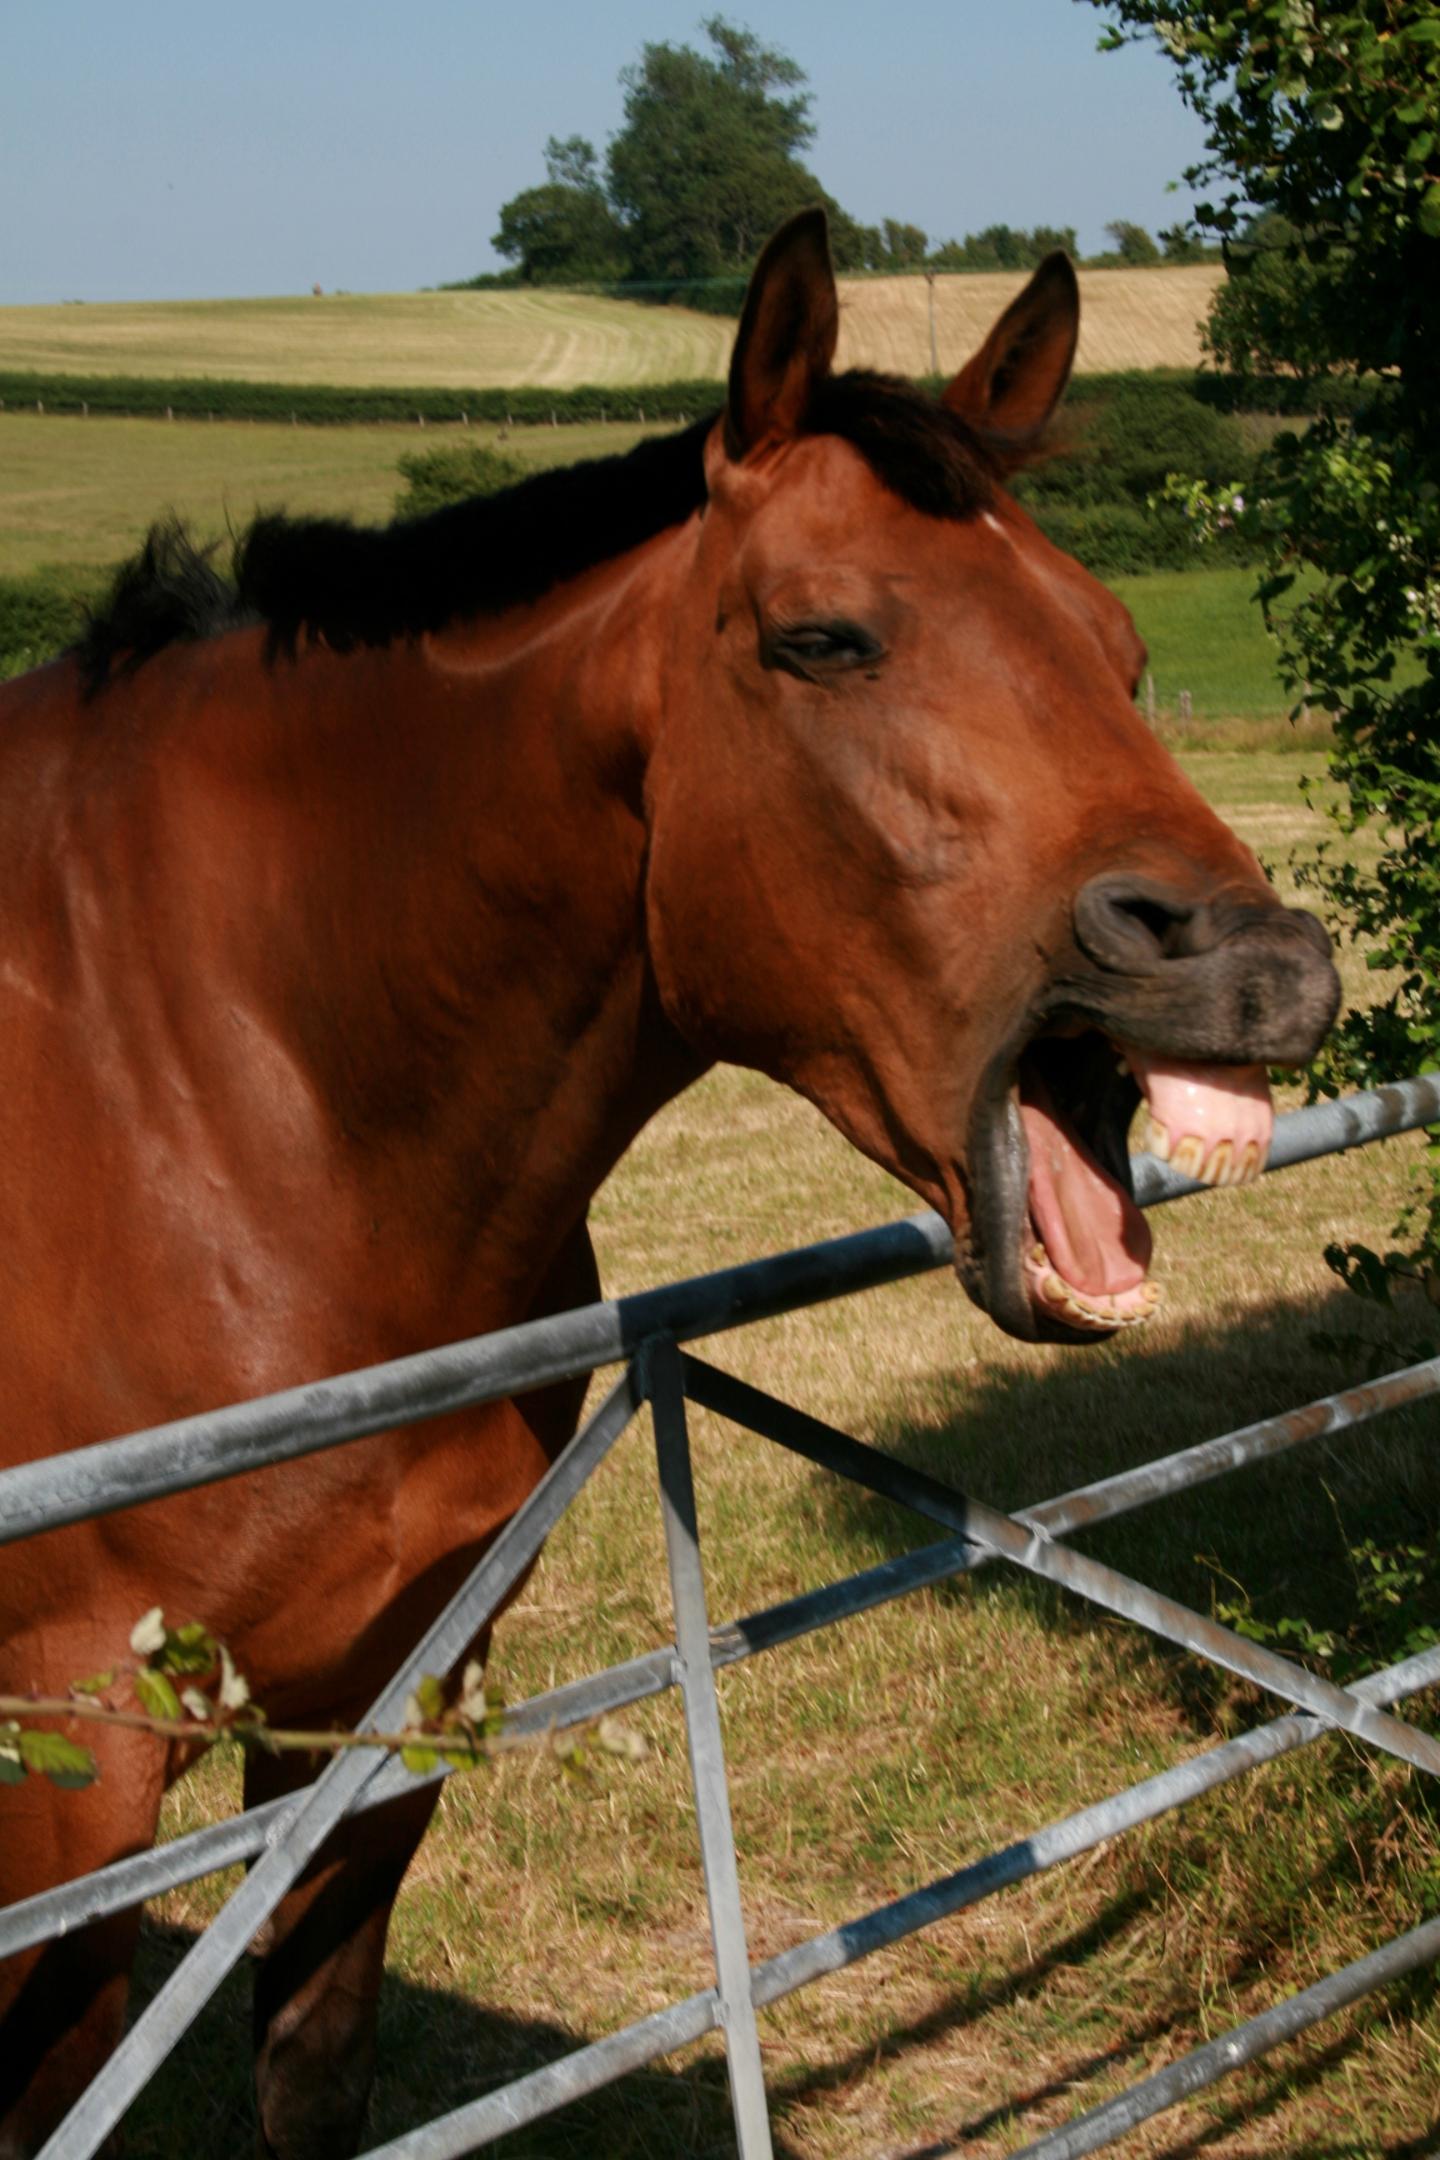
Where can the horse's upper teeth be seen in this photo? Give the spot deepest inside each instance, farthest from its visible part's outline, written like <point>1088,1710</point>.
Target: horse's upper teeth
<point>1224,1165</point>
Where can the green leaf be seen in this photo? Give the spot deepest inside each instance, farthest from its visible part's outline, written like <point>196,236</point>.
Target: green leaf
<point>63,1761</point>
<point>188,1649</point>
<point>1428,214</point>
<point>430,1697</point>
<point>420,1760</point>
<point>95,1685</point>
<point>157,1697</point>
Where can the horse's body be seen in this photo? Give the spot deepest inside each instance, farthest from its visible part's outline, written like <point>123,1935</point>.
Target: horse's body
<point>333,982</point>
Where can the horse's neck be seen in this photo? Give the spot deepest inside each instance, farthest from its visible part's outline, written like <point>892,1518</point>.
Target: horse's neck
<point>468,974</point>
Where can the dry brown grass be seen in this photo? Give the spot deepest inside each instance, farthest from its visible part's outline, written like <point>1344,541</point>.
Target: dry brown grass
<point>1130,318</point>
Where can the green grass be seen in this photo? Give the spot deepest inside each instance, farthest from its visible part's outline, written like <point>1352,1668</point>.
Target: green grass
<point>83,491</point>
<point>1205,635</point>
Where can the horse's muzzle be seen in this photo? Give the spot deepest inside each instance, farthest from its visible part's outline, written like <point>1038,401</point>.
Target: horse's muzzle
<point>1232,980</point>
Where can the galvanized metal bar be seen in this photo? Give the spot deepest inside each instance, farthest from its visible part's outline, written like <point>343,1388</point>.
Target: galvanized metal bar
<point>465,2129</point>
<point>1072,1835</point>
<point>1085,1577</point>
<point>199,1450</point>
<point>1207,1459</point>
<point>144,1875</point>
<point>301,1832</point>
<point>665,1388</point>
<point>1206,2065</point>
<point>1029,1545</point>
<point>575,2075</point>
<point>175,1457</point>
<point>743,1404</point>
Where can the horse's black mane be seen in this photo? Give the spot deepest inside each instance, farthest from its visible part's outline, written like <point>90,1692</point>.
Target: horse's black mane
<point>368,585</point>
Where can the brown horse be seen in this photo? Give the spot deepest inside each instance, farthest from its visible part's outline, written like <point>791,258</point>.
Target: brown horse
<point>354,919</point>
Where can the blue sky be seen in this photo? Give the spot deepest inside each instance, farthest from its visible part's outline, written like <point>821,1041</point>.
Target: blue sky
<point>154,150</point>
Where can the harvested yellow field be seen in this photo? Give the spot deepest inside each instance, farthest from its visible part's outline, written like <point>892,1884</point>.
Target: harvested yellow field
<point>466,339</point>
<point>1128,318</point>
<point>476,340</point>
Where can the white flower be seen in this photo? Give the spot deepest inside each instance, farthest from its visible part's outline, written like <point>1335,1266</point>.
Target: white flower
<point>234,1687</point>
<point>148,1634</point>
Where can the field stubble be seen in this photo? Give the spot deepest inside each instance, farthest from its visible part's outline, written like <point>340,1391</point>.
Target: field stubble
<point>1130,318</point>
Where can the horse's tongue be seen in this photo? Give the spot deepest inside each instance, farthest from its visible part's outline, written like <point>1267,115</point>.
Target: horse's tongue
<point>1210,1122</point>
<point>1095,1238</point>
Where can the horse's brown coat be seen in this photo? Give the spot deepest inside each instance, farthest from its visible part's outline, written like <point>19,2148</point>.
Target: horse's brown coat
<point>332,985</point>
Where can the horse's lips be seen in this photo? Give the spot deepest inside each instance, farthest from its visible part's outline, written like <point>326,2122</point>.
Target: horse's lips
<point>1063,1249</point>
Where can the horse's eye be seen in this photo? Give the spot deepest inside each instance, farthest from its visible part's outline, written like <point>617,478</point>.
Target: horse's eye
<point>824,648</point>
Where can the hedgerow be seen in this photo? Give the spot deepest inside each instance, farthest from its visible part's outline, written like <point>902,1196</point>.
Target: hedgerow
<point>204,397</point>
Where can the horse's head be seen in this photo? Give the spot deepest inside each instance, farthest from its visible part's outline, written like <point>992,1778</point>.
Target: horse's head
<point>913,850</point>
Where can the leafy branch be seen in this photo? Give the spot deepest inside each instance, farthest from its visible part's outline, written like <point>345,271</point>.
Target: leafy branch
<point>183,1685</point>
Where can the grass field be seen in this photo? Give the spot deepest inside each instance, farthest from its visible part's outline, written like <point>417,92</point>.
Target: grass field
<point>866,1760</point>
<point>1130,318</point>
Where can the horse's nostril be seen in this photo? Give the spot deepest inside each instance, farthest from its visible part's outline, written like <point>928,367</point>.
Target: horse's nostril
<point>1134,925</point>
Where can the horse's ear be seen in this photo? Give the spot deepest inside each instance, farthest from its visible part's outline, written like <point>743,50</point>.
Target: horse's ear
<point>787,335</point>
<point>1014,382</point>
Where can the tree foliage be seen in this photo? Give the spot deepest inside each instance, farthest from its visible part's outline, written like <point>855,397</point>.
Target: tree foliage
<point>1132,244</point>
<point>564,232</point>
<point>707,161</point>
<point>1323,132</point>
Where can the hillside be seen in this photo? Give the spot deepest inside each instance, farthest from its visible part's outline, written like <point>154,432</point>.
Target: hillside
<point>1130,318</point>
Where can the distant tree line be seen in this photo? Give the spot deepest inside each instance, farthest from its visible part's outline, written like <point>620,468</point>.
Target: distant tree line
<point>708,160</point>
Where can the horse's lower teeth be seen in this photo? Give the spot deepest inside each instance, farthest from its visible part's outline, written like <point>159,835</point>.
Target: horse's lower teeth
<point>1098,1310</point>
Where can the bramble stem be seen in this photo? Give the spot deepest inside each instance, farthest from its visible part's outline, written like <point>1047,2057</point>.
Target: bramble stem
<point>281,1740</point>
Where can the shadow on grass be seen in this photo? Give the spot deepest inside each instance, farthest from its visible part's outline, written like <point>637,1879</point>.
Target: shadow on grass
<point>1277,1534</point>
<point>1284,2084</point>
<point>437,2050</point>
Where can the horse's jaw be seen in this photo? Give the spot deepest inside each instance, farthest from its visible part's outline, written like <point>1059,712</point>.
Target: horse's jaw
<point>1057,1250</point>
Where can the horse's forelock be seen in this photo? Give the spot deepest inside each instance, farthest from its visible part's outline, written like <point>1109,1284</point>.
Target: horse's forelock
<point>914,445</point>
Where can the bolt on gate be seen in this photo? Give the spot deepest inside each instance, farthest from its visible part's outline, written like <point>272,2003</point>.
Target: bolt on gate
<point>644,1334</point>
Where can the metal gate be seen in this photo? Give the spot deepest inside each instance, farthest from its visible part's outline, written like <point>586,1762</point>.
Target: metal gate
<point>644,1335</point>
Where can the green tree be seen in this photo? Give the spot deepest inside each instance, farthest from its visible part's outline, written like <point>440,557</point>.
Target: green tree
<point>1272,302</point>
<point>1132,243</point>
<point>1328,119</point>
<point>904,245</point>
<point>563,233</point>
<point>1180,243</point>
<point>706,163</point>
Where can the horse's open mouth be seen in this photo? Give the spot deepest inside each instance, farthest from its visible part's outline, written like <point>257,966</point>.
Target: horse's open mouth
<point>1064,1248</point>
